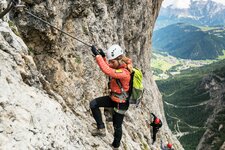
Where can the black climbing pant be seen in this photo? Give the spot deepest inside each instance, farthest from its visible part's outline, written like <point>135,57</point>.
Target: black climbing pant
<point>106,101</point>
<point>155,130</point>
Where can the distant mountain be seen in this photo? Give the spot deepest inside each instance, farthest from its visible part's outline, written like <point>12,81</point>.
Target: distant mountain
<point>194,103</point>
<point>190,42</point>
<point>207,13</point>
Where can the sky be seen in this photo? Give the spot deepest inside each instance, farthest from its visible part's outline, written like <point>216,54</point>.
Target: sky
<point>184,3</point>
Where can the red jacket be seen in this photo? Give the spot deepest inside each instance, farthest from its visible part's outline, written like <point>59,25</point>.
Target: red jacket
<point>121,73</point>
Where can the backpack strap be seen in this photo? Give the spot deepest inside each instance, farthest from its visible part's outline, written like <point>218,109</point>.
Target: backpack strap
<point>121,88</point>
<point>131,84</point>
<point>128,94</point>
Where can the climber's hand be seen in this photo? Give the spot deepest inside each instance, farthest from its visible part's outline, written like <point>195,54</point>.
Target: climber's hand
<point>101,52</point>
<point>94,50</point>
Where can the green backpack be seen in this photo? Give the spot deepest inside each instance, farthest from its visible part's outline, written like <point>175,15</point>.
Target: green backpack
<point>136,90</point>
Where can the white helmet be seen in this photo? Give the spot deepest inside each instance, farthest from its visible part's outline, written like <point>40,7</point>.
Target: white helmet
<point>114,51</point>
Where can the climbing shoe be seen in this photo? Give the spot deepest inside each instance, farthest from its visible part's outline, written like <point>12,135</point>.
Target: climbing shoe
<point>115,145</point>
<point>114,148</point>
<point>99,132</point>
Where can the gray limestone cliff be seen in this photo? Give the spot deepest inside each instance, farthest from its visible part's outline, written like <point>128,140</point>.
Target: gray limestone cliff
<point>47,79</point>
<point>213,137</point>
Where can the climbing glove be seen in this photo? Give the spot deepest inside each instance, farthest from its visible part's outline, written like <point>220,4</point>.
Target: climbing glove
<point>94,50</point>
<point>101,52</point>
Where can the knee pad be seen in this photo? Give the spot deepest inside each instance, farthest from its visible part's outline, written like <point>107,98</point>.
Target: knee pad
<point>93,104</point>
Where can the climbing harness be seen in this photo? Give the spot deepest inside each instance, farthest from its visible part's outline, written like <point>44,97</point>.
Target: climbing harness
<point>15,4</point>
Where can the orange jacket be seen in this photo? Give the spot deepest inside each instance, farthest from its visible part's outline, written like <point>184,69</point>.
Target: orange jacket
<point>121,73</point>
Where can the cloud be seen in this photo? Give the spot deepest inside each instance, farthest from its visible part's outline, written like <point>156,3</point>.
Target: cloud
<point>220,1</point>
<point>176,3</point>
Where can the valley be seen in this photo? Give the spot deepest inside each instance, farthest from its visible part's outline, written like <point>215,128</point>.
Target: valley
<point>165,66</point>
<point>188,65</point>
<point>192,98</point>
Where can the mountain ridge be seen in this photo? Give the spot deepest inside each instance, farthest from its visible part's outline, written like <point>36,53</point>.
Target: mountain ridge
<point>189,41</point>
<point>206,13</point>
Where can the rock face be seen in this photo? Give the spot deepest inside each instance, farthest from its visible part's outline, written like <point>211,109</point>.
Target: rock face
<point>213,137</point>
<point>48,79</point>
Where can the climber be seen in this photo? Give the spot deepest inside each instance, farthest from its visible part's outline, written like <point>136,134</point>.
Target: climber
<point>156,124</point>
<point>118,67</point>
<point>167,147</point>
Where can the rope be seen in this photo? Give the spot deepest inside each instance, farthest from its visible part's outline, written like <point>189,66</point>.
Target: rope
<point>15,4</point>
<point>56,28</point>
